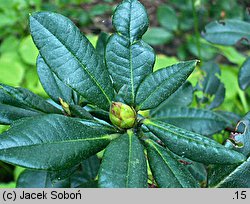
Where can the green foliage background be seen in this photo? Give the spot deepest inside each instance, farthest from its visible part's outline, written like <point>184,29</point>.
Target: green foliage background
<point>175,33</point>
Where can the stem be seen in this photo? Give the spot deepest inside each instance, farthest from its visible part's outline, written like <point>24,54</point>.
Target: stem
<point>196,29</point>
<point>243,100</point>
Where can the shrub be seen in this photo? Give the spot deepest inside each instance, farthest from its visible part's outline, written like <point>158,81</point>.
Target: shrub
<point>110,99</point>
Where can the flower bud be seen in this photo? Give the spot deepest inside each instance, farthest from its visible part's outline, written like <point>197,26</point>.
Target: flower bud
<point>122,115</point>
<point>65,106</point>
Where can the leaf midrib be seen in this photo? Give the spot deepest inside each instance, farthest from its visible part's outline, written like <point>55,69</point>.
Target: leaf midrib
<point>129,159</point>
<point>105,137</point>
<point>188,138</point>
<point>157,88</point>
<point>188,117</point>
<point>230,174</point>
<point>82,65</point>
<point>165,161</point>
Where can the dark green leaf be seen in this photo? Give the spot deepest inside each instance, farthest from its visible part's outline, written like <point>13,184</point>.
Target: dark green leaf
<point>210,81</point>
<point>159,85</point>
<point>167,171</point>
<point>205,50</point>
<point>89,184</point>
<point>54,87</point>
<point>227,32</point>
<point>80,175</point>
<point>78,179</point>
<point>8,114</point>
<point>211,86</point>
<point>217,173</point>
<point>24,98</point>
<point>63,174</point>
<point>157,36</point>
<point>128,63</point>
<point>230,117</point>
<point>201,121</point>
<point>101,44</point>
<point>124,164</point>
<point>86,173</point>
<point>130,19</point>
<point>197,170</point>
<point>90,167</point>
<point>232,175</point>
<point>193,146</point>
<point>239,177</point>
<point>39,179</point>
<point>71,57</point>
<point>182,97</point>
<point>128,58</point>
<point>56,142</point>
<point>99,113</point>
<point>80,112</point>
<point>167,17</point>
<point>219,97</point>
<point>244,74</point>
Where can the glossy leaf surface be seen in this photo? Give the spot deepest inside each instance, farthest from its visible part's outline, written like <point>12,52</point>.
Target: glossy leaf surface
<point>24,98</point>
<point>167,171</point>
<point>159,85</point>
<point>128,58</point>
<point>56,142</point>
<point>128,15</point>
<point>201,121</point>
<point>124,164</point>
<point>8,114</point>
<point>193,146</point>
<point>39,179</point>
<point>53,86</point>
<point>128,63</point>
<point>71,57</point>
<point>182,97</point>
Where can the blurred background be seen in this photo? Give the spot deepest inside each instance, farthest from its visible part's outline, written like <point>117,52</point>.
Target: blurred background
<point>175,33</point>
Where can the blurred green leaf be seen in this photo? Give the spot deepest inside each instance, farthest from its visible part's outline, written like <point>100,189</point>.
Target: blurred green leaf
<point>212,88</point>
<point>167,17</point>
<point>157,36</point>
<point>9,44</point>
<point>162,61</point>
<point>100,9</point>
<point>28,51</point>
<point>8,185</point>
<point>244,75</point>
<point>227,32</point>
<point>11,70</point>
<point>231,54</point>
<point>207,51</point>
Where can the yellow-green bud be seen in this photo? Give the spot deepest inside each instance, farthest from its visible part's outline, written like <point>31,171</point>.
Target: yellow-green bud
<point>122,115</point>
<point>65,106</point>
